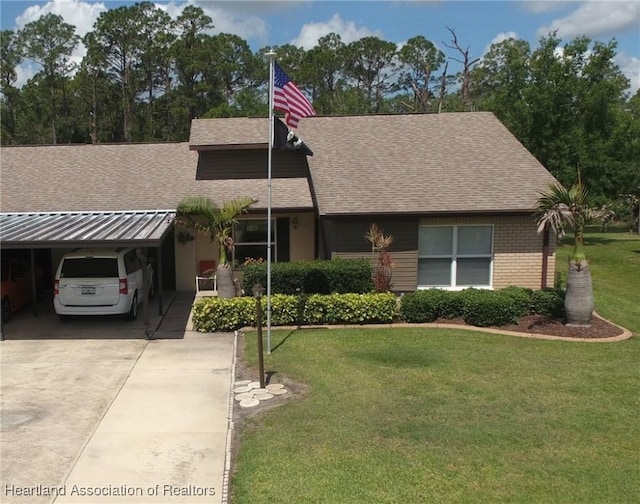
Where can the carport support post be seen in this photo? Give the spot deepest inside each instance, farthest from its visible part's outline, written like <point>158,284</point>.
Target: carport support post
<point>145,294</point>
<point>34,288</point>
<point>159,281</point>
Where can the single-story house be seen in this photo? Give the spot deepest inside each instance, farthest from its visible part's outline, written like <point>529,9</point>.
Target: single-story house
<point>456,191</point>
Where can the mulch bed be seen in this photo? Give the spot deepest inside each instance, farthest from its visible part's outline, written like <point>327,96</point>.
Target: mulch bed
<point>538,324</point>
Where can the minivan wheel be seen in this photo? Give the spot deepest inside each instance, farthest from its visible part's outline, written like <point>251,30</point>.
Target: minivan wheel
<point>133,311</point>
<point>6,310</point>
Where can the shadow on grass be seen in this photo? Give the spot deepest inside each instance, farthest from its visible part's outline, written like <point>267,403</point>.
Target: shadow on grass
<point>396,357</point>
<point>291,333</point>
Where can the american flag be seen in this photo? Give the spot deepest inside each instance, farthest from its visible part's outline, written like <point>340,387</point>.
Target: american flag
<point>289,99</point>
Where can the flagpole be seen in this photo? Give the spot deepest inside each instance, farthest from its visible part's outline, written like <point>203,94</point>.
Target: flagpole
<point>271,56</point>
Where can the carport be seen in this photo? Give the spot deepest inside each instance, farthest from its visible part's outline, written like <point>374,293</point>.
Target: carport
<point>143,229</point>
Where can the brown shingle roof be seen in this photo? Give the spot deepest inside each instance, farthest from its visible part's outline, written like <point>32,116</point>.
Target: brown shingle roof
<point>229,131</point>
<point>123,177</point>
<point>417,163</point>
<point>420,163</point>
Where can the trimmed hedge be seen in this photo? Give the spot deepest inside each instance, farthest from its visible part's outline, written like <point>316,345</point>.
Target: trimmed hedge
<point>217,314</point>
<point>521,296</point>
<point>477,307</point>
<point>312,277</point>
<point>492,308</point>
<point>373,308</point>
<point>423,306</point>
<point>548,302</point>
<point>481,307</point>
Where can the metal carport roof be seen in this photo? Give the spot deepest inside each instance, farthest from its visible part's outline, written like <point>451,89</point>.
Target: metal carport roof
<point>85,229</point>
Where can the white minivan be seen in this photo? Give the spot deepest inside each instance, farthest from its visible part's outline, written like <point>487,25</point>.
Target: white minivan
<point>100,282</point>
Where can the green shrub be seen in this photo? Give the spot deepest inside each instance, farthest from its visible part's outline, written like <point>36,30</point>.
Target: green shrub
<point>491,308</point>
<point>217,314</point>
<point>422,306</point>
<point>349,275</point>
<point>315,310</point>
<point>350,308</point>
<point>312,277</point>
<point>468,298</point>
<point>284,310</point>
<point>548,302</point>
<point>452,305</point>
<point>521,297</point>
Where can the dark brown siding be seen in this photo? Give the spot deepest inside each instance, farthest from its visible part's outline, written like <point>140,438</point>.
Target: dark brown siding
<point>349,233</point>
<point>326,233</point>
<point>250,164</point>
<point>405,270</point>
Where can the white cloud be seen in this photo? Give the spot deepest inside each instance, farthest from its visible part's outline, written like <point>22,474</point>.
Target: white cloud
<point>227,17</point>
<point>500,37</point>
<point>80,14</point>
<point>540,7</point>
<point>348,31</point>
<point>75,12</point>
<point>172,9</point>
<point>593,19</point>
<point>24,72</point>
<point>630,66</point>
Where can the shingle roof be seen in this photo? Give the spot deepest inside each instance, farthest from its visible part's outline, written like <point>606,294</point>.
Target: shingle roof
<point>420,163</point>
<point>123,177</point>
<point>416,163</point>
<point>229,131</point>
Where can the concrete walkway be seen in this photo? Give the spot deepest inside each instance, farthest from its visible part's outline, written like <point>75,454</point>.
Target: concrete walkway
<point>164,439</point>
<point>87,417</point>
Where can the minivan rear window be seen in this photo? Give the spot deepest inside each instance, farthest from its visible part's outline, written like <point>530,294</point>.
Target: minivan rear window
<point>89,267</point>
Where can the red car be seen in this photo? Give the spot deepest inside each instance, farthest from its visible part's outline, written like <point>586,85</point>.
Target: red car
<point>17,289</point>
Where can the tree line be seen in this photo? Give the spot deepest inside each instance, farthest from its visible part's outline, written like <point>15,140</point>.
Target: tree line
<point>145,76</point>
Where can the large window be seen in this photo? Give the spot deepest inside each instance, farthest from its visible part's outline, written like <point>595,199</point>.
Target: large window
<point>455,256</point>
<point>250,239</point>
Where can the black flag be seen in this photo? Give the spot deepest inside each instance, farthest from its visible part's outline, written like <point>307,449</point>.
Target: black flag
<point>286,139</point>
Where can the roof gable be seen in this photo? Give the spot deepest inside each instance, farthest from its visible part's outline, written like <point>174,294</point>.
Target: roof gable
<point>420,163</point>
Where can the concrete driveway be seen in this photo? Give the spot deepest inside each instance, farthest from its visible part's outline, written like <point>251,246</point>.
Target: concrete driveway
<point>54,394</point>
<point>116,415</point>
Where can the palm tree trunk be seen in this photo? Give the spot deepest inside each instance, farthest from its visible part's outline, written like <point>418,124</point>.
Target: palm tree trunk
<point>579,302</point>
<point>224,278</point>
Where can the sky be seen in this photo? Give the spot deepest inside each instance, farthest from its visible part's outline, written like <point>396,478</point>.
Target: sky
<point>477,24</point>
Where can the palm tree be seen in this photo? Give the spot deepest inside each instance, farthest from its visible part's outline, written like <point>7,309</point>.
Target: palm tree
<point>202,215</point>
<point>559,208</point>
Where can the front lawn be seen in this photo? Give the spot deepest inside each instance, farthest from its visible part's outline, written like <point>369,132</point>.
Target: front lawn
<point>452,416</point>
<point>414,416</point>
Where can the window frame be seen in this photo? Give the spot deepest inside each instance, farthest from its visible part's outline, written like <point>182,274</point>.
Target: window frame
<point>454,256</point>
<point>274,244</point>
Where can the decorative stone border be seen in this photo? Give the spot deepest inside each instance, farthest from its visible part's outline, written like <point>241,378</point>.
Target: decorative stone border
<point>626,334</point>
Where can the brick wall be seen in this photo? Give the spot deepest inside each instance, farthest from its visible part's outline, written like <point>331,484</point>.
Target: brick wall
<point>517,249</point>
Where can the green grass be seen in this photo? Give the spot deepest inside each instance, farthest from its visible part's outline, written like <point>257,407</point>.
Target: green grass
<point>614,258</point>
<point>452,416</point>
